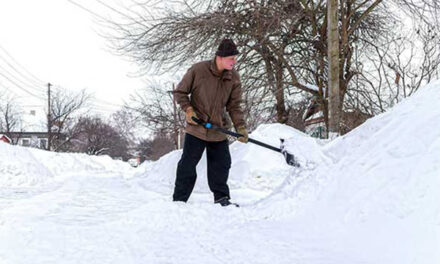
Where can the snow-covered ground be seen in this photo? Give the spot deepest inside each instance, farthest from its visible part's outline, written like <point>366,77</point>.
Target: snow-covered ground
<point>371,196</point>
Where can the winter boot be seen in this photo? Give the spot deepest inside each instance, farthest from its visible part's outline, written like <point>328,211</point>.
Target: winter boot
<point>225,202</point>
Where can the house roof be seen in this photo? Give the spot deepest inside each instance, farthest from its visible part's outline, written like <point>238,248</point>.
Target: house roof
<point>2,136</point>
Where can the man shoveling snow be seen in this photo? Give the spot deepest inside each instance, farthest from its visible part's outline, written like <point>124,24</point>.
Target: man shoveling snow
<point>205,91</point>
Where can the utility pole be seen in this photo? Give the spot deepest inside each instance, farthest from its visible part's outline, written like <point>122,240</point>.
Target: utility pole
<point>334,107</point>
<point>49,118</point>
<point>176,130</point>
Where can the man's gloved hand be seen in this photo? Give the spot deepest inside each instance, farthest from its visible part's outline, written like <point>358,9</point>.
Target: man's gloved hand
<point>190,114</point>
<point>242,130</point>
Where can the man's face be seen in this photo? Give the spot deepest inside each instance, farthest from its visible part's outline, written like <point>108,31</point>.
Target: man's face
<point>228,62</point>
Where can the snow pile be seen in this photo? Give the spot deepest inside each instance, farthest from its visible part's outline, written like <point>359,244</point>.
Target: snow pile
<point>67,164</point>
<point>379,200</point>
<point>30,167</point>
<point>371,196</point>
<point>257,167</point>
<point>391,165</point>
<point>20,167</point>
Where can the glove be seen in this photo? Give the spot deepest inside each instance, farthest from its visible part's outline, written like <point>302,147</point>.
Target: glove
<point>242,130</point>
<point>189,113</point>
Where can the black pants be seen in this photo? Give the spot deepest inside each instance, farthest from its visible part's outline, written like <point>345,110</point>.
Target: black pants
<point>219,163</point>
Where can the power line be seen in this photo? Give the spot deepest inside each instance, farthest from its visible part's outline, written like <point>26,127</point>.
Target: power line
<point>7,88</point>
<point>21,88</point>
<point>107,103</point>
<point>121,106</point>
<point>98,104</point>
<point>133,19</point>
<point>101,105</point>
<point>33,82</point>
<point>16,62</point>
<point>100,109</point>
<point>87,10</point>
<point>104,108</point>
<point>13,79</point>
<point>113,9</point>
<point>21,81</point>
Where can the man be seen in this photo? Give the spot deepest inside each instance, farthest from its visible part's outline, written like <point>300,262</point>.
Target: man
<point>207,91</point>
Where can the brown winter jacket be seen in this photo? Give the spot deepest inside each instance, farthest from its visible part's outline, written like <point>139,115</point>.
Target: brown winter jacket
<point>211,94</point>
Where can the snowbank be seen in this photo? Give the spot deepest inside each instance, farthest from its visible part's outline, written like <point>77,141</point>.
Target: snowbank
<point>379,198</point>
<point>20,167</point>
<point>30,167</point>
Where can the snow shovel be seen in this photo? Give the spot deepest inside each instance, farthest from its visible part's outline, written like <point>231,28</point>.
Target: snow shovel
<point>290,159</point>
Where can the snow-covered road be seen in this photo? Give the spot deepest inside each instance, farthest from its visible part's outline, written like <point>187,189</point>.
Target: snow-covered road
<point>101,219</point>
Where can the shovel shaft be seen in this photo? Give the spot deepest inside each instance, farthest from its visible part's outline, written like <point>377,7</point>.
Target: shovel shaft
<point>237,135</point>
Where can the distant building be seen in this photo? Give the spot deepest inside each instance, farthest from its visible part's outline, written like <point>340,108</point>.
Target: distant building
<point>5,139</point>
<point>33,132</point>
<point>29,139</point>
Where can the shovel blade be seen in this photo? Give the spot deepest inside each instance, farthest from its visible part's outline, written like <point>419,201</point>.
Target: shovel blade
<point>290,159</point>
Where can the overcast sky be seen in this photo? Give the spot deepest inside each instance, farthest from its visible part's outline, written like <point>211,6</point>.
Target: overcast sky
<point>57,42</point>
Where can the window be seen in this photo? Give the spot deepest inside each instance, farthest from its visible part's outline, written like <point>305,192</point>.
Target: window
<point>43,143</point>
<point>25,142</point>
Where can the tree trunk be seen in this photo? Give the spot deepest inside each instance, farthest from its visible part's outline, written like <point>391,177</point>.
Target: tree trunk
<point>275,81</point>
<point>282,115</point>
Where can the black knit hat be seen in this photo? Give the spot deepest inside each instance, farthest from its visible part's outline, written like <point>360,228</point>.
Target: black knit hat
<point>226,48</point>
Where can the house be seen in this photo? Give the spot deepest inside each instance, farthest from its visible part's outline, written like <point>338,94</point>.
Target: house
<point>29,139</point>
<point>32,133</point>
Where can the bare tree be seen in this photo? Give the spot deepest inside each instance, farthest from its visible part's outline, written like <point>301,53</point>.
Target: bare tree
<point>283,43</point>
<point>153,149</point>
<point>64,105</point>
<point>193,33</point>
<point>125,122</point>
<point>95,137</point>
<point>10,116</point>
<point>395,68</point>
<point>155,109</point>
